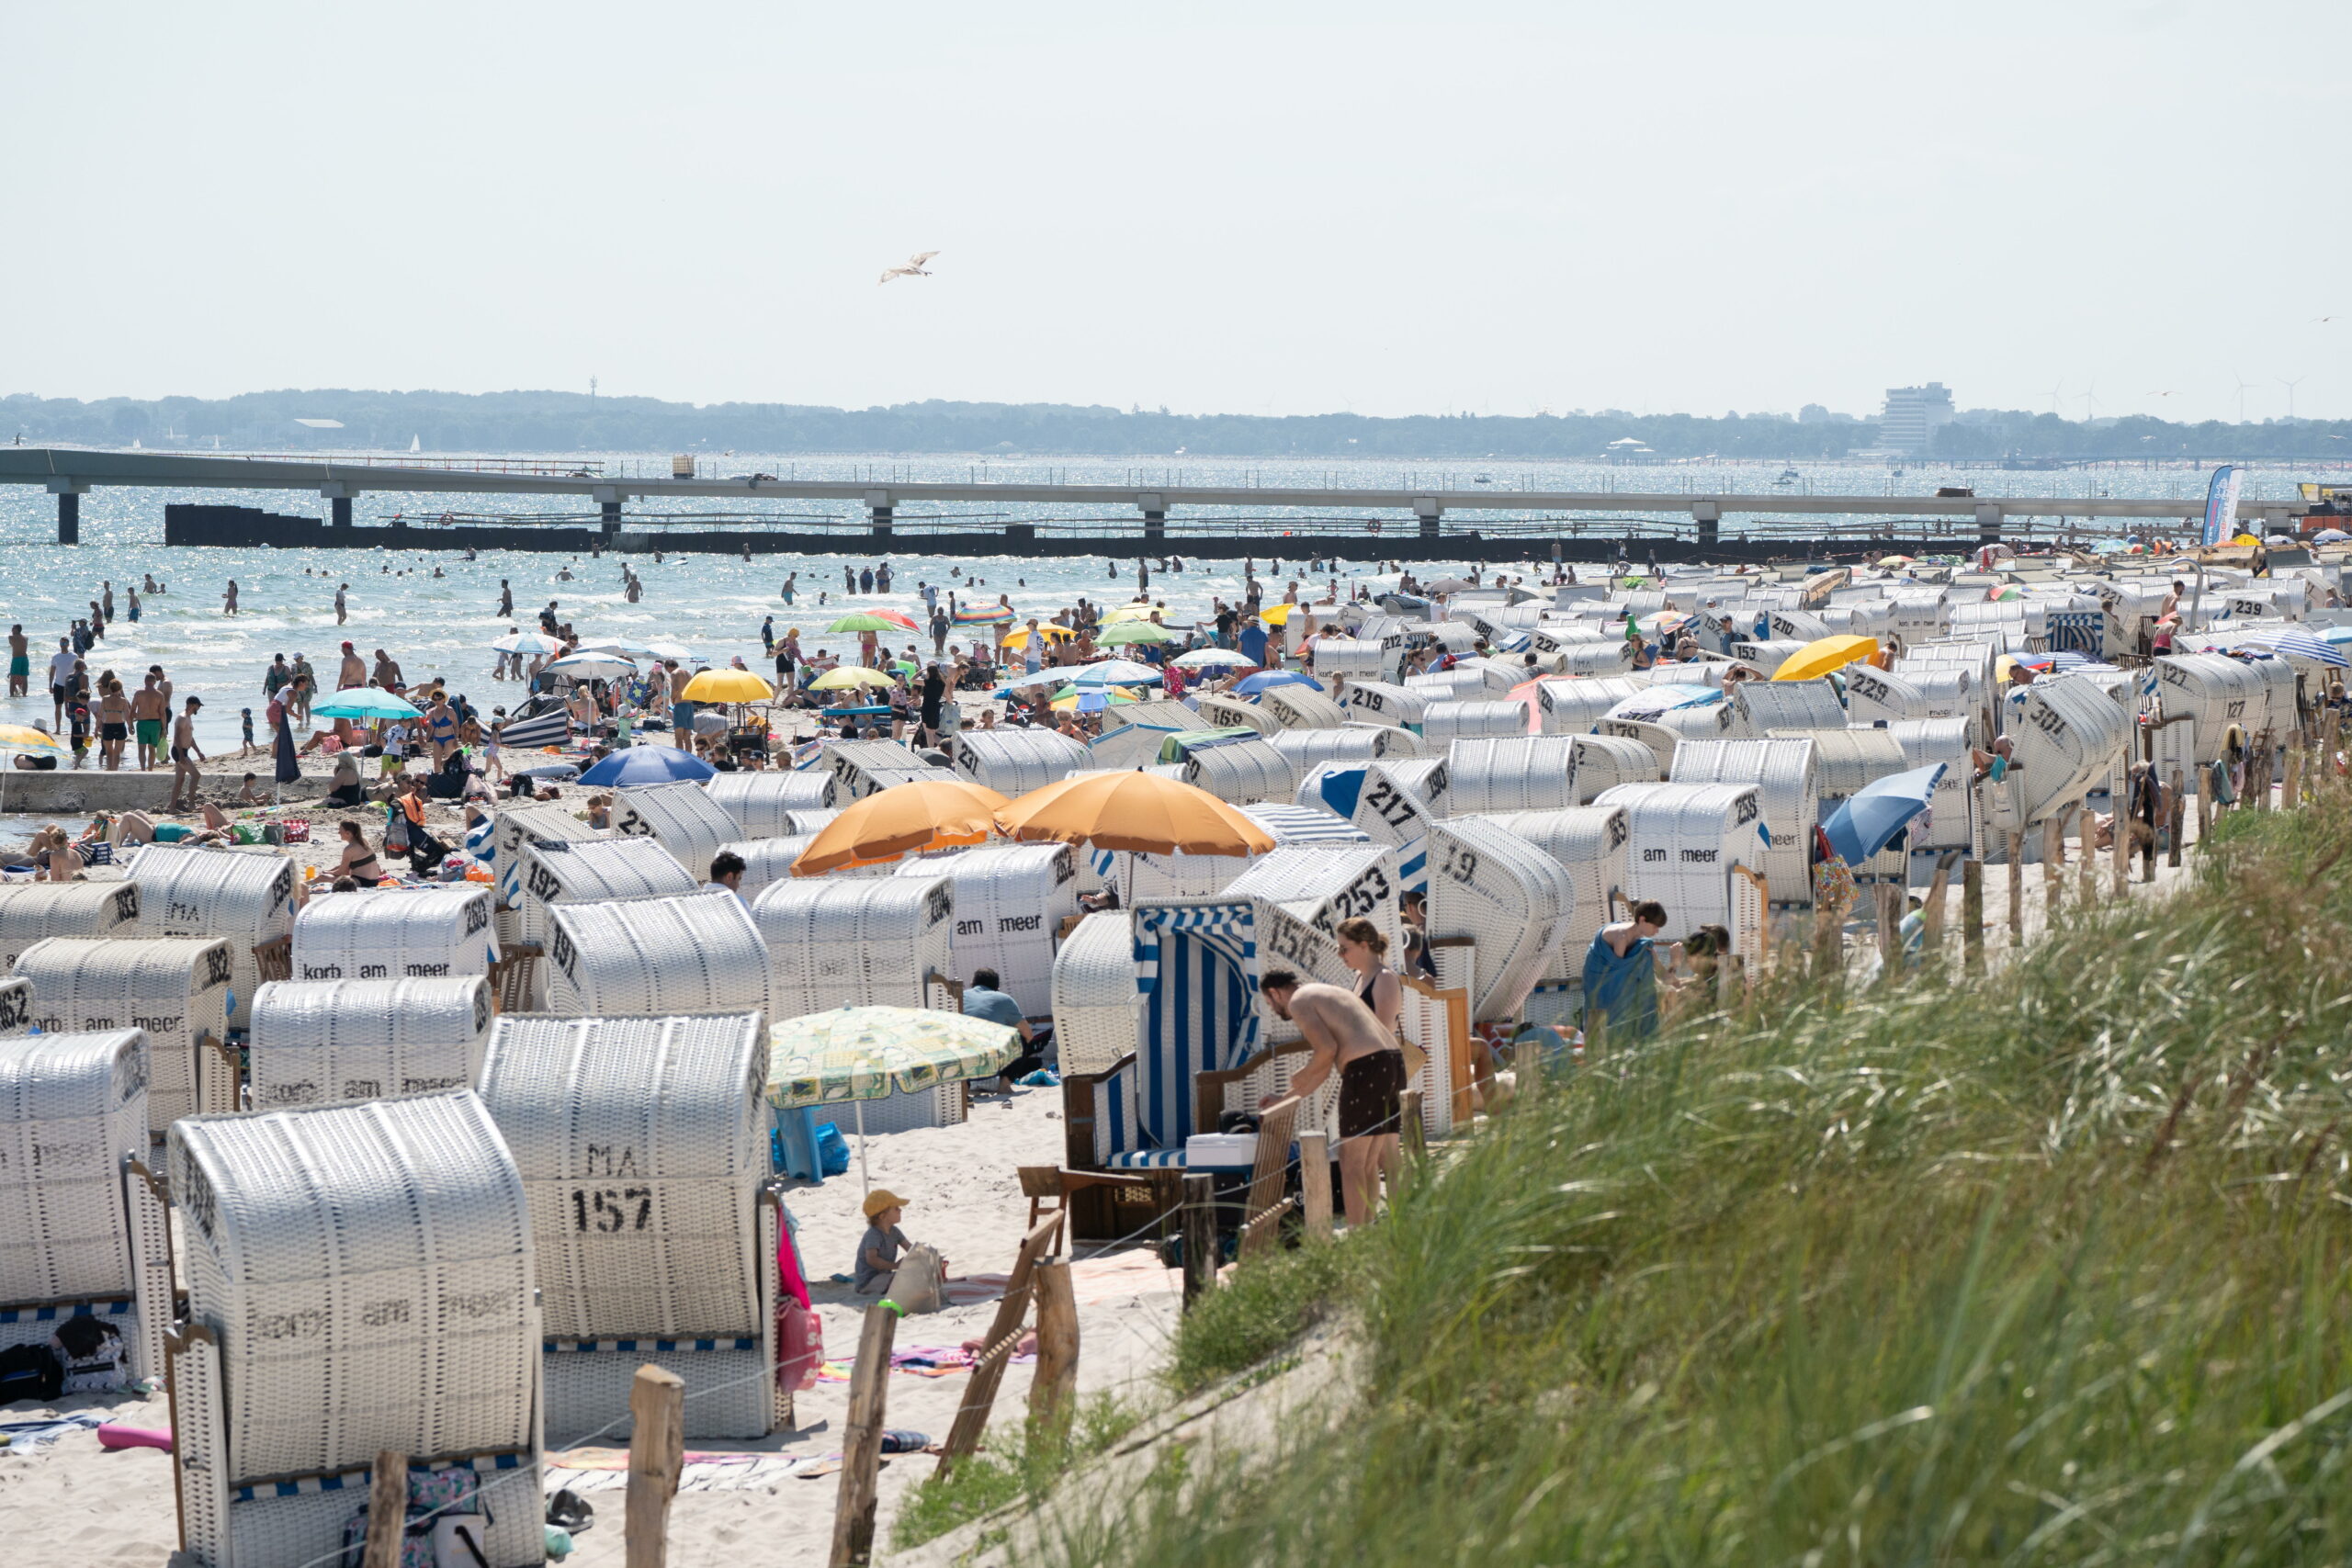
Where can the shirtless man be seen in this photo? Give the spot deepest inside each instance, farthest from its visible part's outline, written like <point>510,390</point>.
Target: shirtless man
<point>20,661</point>
<point>1346,1034</point>
<point>186,754</point>
<point>354,671</point>
<point>388,671</point>
<point>150,711</point>
<point>342,605</point>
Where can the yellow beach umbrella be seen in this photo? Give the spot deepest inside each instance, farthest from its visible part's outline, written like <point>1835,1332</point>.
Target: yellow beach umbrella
<point>727,686</point>
<point>1129,613</point>
<point>1275,614</point>
<point>1134,811</point>
<point>25,738</point>
<point>846,676</point>
<point>921,815</point>
<point>1050,632</point>
<point>1825,654</point>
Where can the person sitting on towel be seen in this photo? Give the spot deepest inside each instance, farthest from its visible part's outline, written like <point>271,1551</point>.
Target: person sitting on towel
<point>985,998</point>
<point>1347,1036</point>
<point>1620,974</point>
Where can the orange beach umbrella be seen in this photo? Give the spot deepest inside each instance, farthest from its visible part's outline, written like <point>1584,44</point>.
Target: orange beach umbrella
<point>1134,811</point>
<point>923,815</point>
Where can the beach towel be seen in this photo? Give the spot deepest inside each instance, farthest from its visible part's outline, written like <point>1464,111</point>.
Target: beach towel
<point>1623,991</point>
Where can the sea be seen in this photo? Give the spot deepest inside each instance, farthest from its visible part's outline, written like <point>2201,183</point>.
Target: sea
<point>436,613</point>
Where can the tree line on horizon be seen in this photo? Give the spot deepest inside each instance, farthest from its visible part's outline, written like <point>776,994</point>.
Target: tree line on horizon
<point>551,421</point>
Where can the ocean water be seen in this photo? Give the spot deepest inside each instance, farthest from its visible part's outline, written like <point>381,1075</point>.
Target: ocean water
<point>442,624</point>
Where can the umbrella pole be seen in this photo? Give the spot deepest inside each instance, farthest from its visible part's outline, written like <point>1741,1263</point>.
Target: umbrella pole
<point>865,1182</point>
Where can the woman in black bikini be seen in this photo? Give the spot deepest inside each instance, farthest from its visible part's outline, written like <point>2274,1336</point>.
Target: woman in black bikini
<point>1364,951</point>
<point>358,861</point>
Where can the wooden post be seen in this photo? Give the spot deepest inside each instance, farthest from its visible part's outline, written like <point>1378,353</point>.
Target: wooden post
<point>657,1450</point>
<point>1972,916</point>
<point>1052,1392</point>
<point>2291,795</point>
<point>2176,821</point>
<point>1889,899</point>
<point>1828,943</point>
<point>387,1510</point>
<point>2126,822</point>
<point>2086,874</point>
<point>869,1393</point>
<point>1409,1131</point>
<point>1527,1071</point>
<point>1003,1334</point>
<point>1200,1237</point>
<point>1315,1173</point>
<point>2053,876</point>
<point>2016,887</point>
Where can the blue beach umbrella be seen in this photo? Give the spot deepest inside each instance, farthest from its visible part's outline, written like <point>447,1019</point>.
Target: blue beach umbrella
<point>2304,645</point>
<point>648,765</point>
<point>1250,685</point>
<point>1867,820</point>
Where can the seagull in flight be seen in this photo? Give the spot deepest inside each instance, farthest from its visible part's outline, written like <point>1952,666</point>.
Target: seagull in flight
<point>913,268</point>
<point>2323,319</point>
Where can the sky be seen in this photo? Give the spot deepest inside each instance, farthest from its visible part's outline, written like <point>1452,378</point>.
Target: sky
<point>2104,207</point>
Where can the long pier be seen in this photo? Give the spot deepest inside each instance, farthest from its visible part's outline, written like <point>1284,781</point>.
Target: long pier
<point>1488,523</point>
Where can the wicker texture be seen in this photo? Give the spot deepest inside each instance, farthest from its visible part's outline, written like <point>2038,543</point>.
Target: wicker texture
<point>1396,805</point>
<point>1242,772</point>
<point>175,988</point>
<point>680,818</point>
<point>1010,901</point>
<point>1355,658</point>
<point>655,957</point>
<point>1843,762</point>
<point>368,1271</point>
<point>1660,743</point>
<point>1517,772</point>
<point>2211,689</point>
<point>393,934</point>
<point>867,942</point>
<point>1508,897</point>
<point>16,1005</point>
<point>1014,762</point>
<point>640,1142</point>
<point>1306,749</point>
<point>1457,684</point>
<point>1301,707</point>
<point>2070,739</point>
<point>1607,657</point>
<point>861,767</point>
<point>593,872</point>
<point>1385,702</point>
<point>762,804</point>
<point>1097,1009</point>
<point>1788,705</point>
<point>1305,824</point>
<point>71,1106</point>
<point>330,1042</point>
<point>1603,762</point>
<point>245,895</point>
<point>1782,773</point>
<point>1685,839</point>
<point>1448,721</point>
<point>43,910</point>
<point>767,860</point>
<point>516,826</point>
<point>1947,740</point>
<point>1589,843</point>
<point>1302,892</point>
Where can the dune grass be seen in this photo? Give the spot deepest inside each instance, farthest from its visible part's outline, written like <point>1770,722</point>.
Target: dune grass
<point>2047,1269</point>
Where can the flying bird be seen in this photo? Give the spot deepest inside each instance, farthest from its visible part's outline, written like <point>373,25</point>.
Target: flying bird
<point>912,269</point>
<point>2322,318</point>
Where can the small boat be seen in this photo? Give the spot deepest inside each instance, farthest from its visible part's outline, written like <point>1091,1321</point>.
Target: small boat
<point>1788,477</point>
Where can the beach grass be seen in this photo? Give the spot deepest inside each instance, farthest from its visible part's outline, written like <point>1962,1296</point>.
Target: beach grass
<point>1022,1460</point>
<point>2047,1268</point>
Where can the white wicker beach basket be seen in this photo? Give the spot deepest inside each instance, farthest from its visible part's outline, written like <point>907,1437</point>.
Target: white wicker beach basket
<point>2070,738</point>
<point>1505,894</point>
<point>641,1143</point>
<point>1843,762</point>
<point>1765,705</point>
<point>680,818</point>
<point>1097,1009</point>
<point>2212,690</point>
<point>1010,901</point>
<point>1014,762</point>
<point>593,872</point>
<point>325,1041</point>
<point>1384,702</point>
<point>361,1277</point>
<point>1573,707</point>
<point>1514,773</point>
<point>1301,707</point>
<point>862,767</point>
<point>71,1107</point>
<point>517,825</point>
<point>1588,841</point>
<point>175,988</point>
<point>762,804</point>
<point>1950,824</point>
<point>767,860</point>
<point>864,942</point>
<point>1356,658</point>
<point>1308,749</point>
<point>245,895</point>
<point>1241,772</point>
<point>1685,840</point>
<point>655,957</point>
<point>37,910</point>
<point>1782,771</point>
<point>396,935</point>
<point>1234,712</point>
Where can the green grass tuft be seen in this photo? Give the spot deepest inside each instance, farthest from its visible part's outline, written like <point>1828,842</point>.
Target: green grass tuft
<point>1019,1462</point>
<point>2049,1269</point>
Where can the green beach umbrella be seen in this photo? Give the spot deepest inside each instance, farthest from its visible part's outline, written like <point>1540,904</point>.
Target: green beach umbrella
<point>859,620</point>
<point>1133,631</point>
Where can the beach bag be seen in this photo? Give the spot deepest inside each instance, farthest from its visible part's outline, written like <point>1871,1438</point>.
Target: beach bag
<point>297,831</point>
<point>91,1354</point>
<point>446,1526</point>
<point>396,832</point>
<point>832,1151</point>
<point>800,1341</point>
<point>916,1287</point>
<point>31,1372</point>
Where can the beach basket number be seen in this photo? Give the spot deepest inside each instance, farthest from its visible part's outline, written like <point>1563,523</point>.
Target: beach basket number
<point>607,1211</point>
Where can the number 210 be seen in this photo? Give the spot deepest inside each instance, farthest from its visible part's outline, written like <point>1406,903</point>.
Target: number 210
<point>610,1208</point>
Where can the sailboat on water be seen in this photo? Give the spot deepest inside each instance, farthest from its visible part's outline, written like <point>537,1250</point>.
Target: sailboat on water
<point>416,443</point>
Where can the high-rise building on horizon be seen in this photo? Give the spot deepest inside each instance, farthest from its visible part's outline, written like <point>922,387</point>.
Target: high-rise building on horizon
<point>1913,416</point>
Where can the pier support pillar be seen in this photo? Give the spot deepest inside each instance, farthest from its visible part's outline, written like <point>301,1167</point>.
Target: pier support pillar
<point>1708,516</point>
<point>879,512</point>
<point>1427,509</point>
<point>1988,523</point>
<point>1155,516</point>
<point>608,510</point>
<point>69,494</point>
<point>337,496</point>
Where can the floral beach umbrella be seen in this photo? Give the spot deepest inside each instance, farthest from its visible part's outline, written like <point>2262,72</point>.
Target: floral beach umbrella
<point>854,1055</point>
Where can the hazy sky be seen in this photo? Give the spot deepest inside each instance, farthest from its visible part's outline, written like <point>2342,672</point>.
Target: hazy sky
<point>1256,208</point>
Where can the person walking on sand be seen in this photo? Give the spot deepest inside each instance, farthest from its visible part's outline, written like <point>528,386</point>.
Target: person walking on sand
<point>150,711</point>
<point>186,754</point>
<point>1346,1036</point>
<point>354,671</point>
<point>20,661</point>
<point>228,600</point>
